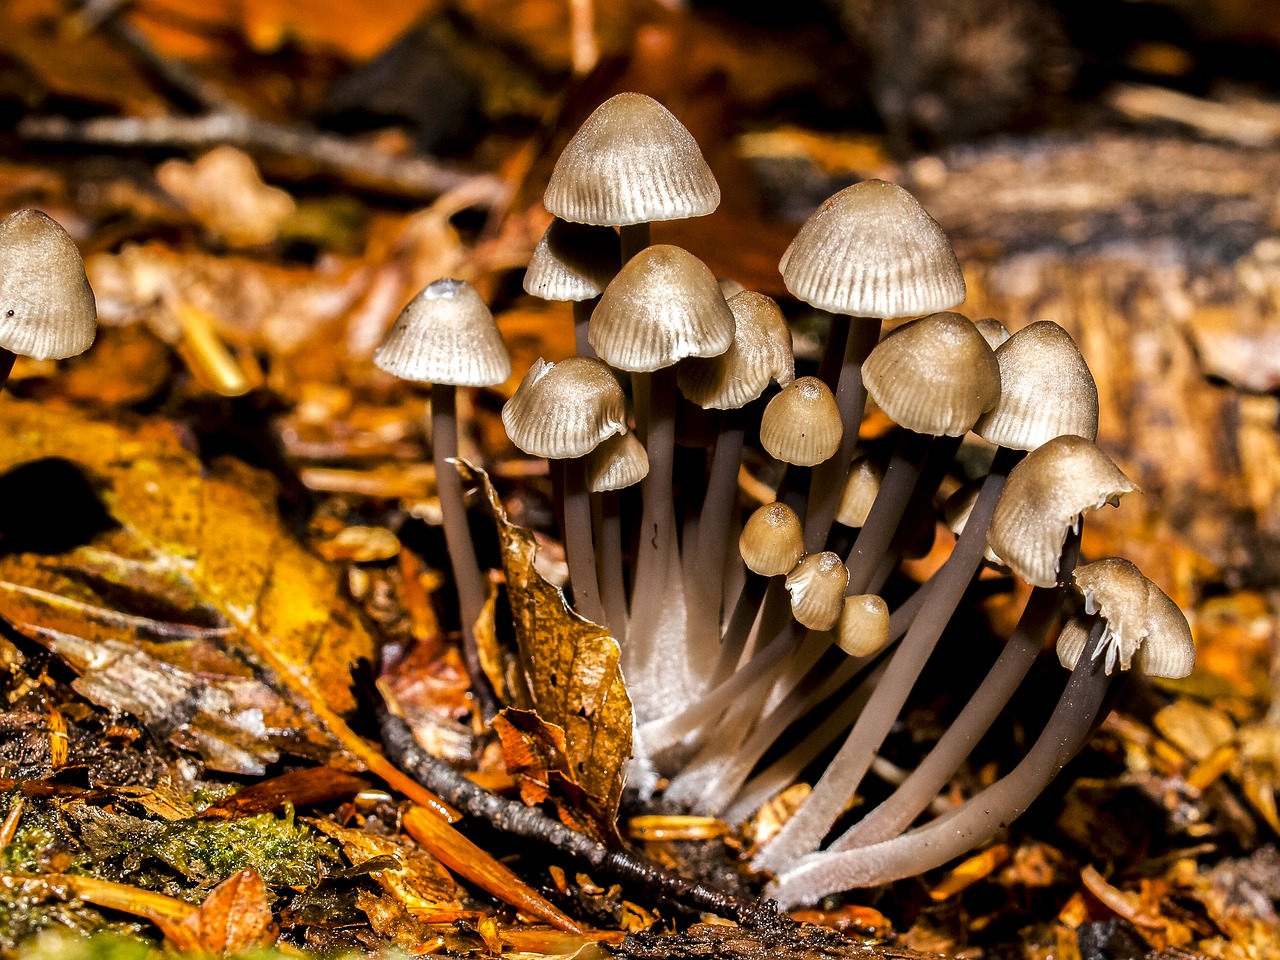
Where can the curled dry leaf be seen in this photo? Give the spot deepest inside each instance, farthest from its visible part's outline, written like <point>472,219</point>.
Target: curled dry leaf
<point>225,193</point>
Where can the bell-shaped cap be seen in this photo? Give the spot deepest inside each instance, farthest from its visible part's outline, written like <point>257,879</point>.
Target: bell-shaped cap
<point>663,306</point>
<point>1046,390</point>
<point>618,462</point>
<point>565,409</point>
<point>801,425</point>
<point>446,334</point>
<point>572,261</point>
<point>1044,497</point>
<point>47,310</point>
<point>632,161</point>
<point>760,352</point>
<point>861,487</point>
<point>864,625</point>
<point>772,540</point>
<point>873,251</point>
<point>817,584</point>
<point>935,375</point>
<point>992,330</point>
<point>1142,626</point>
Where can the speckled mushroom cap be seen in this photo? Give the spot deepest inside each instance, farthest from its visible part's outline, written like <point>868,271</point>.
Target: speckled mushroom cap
<point>663,306</point>
<point>632,161</point>
<point>618,462</point>
<point>772,540</point>
<point>1044,497</point>
<point>446,334</point>
<point>565,409</point>
<point>1046,390</point>
<point>817,584</point>
<point>935,375</point>
<point>1143,627</point>
<point>801,425</point>
<point>863,628</point>
<point>47,309</point>
<point>572,261</point>
<point>873,251</point>
<point>760,352</point>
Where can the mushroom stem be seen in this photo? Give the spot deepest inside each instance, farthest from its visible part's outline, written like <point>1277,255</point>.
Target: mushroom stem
<point>569,476</point>
<point>654,543</point>
<point>457,534</point>
<point>634,237</point>
<point>859,336</point>
<point>705,558</point>
<point>976,821</point>
<point>7,357</point>
<point>608,534</point>
<point>915,793</point>
<point>805,830</point>
<point>581,320</point>
<point>895,491</point>
<point>738,629</point>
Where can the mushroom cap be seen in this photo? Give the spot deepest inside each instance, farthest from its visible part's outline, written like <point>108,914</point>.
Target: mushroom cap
<point>1046,390</point>
<point>772,540</point>
<point>572,261</point>
<point>872,251</point>
<point>992,330</point>
<point>817,584</point>
<point>935,375</point>
<point>801,425</point>
<point>1042,499</point>
<point>760,352</point>
<point>620,461</point>
<point>632,161</point>
<point>863,626</point>
<point>1144,628</point>
<point>861,487</point>
<point>565,409</point>
<point>446,334</point>
<point>47,310</point>
<point>664,305</point>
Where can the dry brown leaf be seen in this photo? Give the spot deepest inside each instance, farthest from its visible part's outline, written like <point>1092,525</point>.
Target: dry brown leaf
<point>234,918</point>
<point>226,195</point>
<point>572,672</point>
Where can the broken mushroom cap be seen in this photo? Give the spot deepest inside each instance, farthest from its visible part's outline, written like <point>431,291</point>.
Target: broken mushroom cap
<point>817,584</point>
<point>864,625</point>
<point>664,305</point>
<point>632,161</point>
<point>565,409</point>
<point>1046,390</point>
<point>1044,497</point>
<point>446,334</point>
<point>1142,626</point>
<point>872,251</point>
<point>772,540</point>
<point>47,310</point>
<point>934,376</point>
<point>801,425</point>
<point>760,352</point>
<point>618,462</point>
<point>572,262</point>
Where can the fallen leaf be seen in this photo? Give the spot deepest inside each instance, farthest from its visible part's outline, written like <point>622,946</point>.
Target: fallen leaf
<point>234,918</point>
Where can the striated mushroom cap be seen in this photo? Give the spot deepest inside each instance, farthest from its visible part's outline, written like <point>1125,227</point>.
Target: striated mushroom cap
<point>1044,497</point>
<point>801,425</point>
<point>864,625</point>
<point>760,352</point>
<point>935,375</point>
<point>873,251</point>
<point>632,161</point>
<point>772,540</point>
<point>663,306</point>
<point>1046,390</point>
<point>817,584</point>
<point>572,261</point>
<point>620,461</point>
<point>1143,627</point>
<point>565,409</point>
<point>47,310</point>
<point>446,334</point>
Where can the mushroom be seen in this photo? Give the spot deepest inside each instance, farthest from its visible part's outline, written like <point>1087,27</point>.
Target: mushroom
<point>573,262</point>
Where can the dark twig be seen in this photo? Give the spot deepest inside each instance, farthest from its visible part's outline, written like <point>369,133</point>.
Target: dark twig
<point>529,823</point>
<point>411,176</point>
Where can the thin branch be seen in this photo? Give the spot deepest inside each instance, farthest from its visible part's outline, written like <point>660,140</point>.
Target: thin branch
<point>529,823</point>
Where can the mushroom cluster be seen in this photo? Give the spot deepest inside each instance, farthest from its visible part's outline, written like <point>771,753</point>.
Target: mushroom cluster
<point>737,624</point>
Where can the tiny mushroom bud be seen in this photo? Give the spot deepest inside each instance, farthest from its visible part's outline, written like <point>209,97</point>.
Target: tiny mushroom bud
<point>992,330</point>
<point>771,543</point>
<point>934,376</point>
<point>864,625</point>
<point>817,584</point>
<point>565,409</point>
<point>861,487</point>
<point>1142,626</point>
<point>760,352</point>
<point>1044,497</point>
<point>618,462</point>
<point>801,425</point>
<point>47,309</point>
